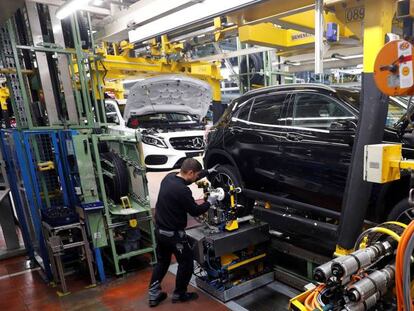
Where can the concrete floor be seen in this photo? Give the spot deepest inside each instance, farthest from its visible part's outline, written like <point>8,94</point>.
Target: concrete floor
<point>23,289</point>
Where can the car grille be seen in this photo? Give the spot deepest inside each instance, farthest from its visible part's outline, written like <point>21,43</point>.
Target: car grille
<point>188,143</point>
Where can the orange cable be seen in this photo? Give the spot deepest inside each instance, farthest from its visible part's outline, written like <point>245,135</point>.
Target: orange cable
<point>399,269</point>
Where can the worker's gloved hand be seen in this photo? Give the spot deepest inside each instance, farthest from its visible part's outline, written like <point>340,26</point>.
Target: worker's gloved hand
<point>212,199</point>
<point>213,169</point>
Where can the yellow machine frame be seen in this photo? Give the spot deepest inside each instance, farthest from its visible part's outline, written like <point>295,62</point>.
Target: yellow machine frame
<point>113,68</point>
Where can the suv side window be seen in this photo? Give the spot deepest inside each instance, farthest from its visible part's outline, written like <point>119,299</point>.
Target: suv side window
<point>268,110</point>
<point>314,110</point>
<point>110,110</point>
<point>396,110</point>
<point>243,110</point>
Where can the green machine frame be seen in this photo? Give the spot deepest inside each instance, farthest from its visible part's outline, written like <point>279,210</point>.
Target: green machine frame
<point>73,99</point>
<point>132,211</point>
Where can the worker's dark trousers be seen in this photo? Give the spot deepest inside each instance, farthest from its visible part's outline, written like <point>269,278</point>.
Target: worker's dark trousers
<point>168,244</point>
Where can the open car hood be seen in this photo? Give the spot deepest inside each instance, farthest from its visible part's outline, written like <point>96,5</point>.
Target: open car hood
<point>169,93</point>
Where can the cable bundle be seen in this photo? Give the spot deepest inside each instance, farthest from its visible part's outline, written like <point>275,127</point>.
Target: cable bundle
<point>402,269</point>
<point>359,280</point>
<point>311,302</point>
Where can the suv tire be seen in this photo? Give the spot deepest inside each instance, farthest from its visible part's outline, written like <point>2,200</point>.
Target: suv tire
<point>255,66</point>
<point>116,186</point>
<point>234,176</point>
<point>398,210</point>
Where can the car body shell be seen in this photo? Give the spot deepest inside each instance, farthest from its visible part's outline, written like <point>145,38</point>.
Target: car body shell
<point>309,165</point>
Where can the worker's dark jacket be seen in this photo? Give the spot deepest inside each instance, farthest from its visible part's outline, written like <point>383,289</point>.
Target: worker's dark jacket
<point>175,200</point>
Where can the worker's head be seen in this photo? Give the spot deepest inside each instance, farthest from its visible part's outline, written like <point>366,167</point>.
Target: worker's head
<point>190,170</point>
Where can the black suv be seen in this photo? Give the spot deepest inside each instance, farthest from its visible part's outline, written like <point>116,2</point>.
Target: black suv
<point>295,142</point>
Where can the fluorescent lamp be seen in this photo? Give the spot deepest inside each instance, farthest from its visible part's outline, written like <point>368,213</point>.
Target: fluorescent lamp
<point>343,57</point>
<point>338,56</point>
<point>71,7</point>
<point>354,56</point>
<point>98,2</point>
<point>289,63</point>
<point>173,19</point>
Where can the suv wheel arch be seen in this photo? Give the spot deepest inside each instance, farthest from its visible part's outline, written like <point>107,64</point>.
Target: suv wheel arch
<point>217,156</point>
<point>398,210</point>
<point>390,197</point>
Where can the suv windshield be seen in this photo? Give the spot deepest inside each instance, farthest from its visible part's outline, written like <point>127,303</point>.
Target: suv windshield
<point>397,106</point>
<point>162,119</point>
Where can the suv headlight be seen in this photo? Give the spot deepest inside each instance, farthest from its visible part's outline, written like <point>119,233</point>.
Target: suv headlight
<point>154,141</point>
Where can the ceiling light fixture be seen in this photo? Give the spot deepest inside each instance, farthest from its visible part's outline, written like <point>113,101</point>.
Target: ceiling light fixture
<point>71,7</point>
<point>345,57</point>
<point>338,56</point>
<point>289,63</point>
<point>354,56</point>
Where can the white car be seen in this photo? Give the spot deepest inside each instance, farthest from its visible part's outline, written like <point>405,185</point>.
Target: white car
<point>167,110</point>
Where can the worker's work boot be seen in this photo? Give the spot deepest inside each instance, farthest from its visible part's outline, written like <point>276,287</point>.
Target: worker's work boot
<point>184,297</point>
<point>155,294</point>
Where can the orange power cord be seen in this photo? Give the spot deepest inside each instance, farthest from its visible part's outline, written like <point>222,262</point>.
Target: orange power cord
<point>399,268</point>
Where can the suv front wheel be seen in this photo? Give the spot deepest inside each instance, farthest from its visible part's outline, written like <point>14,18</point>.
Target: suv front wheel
<point>402,212</point>
<point>225,177</point>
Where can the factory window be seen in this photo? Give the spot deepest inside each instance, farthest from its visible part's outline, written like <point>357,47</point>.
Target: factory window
<point>316,111</point>
<point>268,110</point>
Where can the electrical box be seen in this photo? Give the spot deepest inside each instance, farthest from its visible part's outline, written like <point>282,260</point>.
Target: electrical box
<point>377,162</point>
<point>405,8</point>
<point>332,32</point>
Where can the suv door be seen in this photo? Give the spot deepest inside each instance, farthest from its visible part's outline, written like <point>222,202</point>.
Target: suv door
<point>234,136</point>
<point>256,144</point>
<point>316,153</point>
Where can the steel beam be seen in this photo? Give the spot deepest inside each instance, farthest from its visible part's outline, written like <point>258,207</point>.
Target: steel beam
<point>319,39</point>
<point>346,52</point>
<point>328,63</point>
<point>305,21</point>
<point>42,64</point>
<point>377,22</point>
<point>267,34</point>
<point>226,61</point>
<point>63,65</point>
<point>238,53</point>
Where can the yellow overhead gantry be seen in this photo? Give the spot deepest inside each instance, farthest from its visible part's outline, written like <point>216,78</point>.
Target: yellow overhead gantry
<point>253,25</point>
<point>114,68</point>
<point>258,24</point>
<point>262,24</point>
